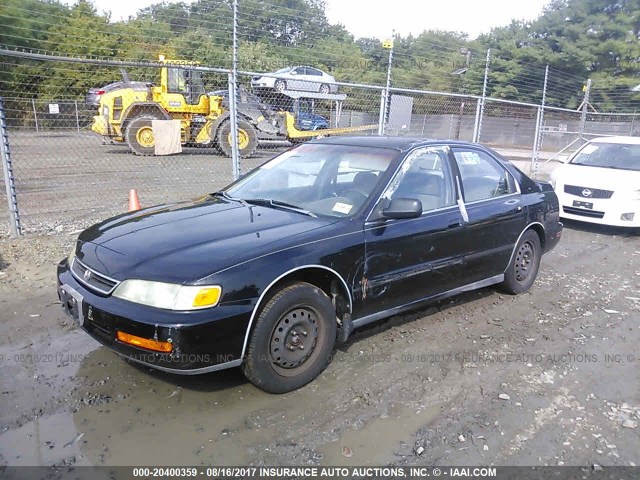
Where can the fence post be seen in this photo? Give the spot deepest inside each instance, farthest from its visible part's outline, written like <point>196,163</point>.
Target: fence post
<point>585,106</point>
<point>77,117</point>
<point>537,140</point>
<point>476,123</point>
<point>480,110</point>
<point>35,114</point>
<point>384,100</point>
<point>233,98</point>
<point>7,167</point>
<point>381,114</point>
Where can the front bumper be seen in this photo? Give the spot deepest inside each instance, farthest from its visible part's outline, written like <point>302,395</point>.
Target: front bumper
<point>202,341</point>
<point>602,212</point>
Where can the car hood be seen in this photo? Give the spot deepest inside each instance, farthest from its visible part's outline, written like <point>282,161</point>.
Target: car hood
<point>187,241</point>
<point>596,177</point>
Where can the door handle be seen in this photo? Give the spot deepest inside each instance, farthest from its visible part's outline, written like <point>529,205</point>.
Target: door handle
<point>455,223</point>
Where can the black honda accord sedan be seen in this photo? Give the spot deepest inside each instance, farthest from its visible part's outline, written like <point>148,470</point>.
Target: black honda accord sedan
<point>270,272</point>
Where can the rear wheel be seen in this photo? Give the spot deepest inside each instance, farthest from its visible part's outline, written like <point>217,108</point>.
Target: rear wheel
<point>247,138</point>
<point>292,340</point>
<point>523,269</point>
<point>139,135</point>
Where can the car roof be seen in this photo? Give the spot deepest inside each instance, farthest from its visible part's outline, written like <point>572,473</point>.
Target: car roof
<point>617,139</point>
<point>395,143</point>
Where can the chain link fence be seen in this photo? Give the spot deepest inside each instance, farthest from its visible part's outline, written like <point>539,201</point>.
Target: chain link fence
<point>68,176</point>
<point>74,159</point>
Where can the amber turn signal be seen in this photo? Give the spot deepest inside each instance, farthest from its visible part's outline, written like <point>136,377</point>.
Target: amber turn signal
<point>149,344</point>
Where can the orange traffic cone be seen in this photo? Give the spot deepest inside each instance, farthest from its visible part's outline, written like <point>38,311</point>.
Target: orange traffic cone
<point>134,203</point>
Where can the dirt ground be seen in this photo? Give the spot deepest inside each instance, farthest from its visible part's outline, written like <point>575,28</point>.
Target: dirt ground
<point>549,377</point>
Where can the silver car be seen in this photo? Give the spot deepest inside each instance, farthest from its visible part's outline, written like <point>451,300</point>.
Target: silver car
<point>308,79</point>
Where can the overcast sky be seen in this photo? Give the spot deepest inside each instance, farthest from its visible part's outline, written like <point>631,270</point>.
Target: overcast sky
<point>377,18</point>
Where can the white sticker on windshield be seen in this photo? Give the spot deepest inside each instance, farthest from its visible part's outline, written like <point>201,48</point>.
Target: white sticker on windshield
<point>589,149</point>
<point>342,208</point>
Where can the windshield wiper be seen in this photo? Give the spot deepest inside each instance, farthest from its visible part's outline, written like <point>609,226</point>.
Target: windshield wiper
<point>226,196</point>
<point>268,202</point>
<point>222,194</point>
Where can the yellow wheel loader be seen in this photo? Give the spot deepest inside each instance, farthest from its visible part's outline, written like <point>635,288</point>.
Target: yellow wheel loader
<point>126,114</point>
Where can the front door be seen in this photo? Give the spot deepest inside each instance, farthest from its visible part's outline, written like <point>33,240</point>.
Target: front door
<point>407,260</point>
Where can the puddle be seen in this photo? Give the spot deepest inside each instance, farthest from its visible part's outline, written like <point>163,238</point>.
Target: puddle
<point>44,441</point>
<point>128,415</point>
<point>375,442</point>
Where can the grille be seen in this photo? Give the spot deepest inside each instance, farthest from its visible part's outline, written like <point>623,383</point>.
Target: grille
<point>96,281</point>
<point>582,212</point>
<point>595,192</point>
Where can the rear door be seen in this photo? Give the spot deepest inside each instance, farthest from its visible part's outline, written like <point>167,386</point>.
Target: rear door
<point>408,260</point>
<point>495,213</point>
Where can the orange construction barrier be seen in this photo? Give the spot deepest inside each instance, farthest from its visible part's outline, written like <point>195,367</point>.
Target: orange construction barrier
<point>134,203</point>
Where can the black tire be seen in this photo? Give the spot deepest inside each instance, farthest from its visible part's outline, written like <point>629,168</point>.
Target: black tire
<point>280,86</point>
<point>324,89</point>
<point>523,268</point>
<point>137,128</point>
<point>293,339</point>
<point>246,130</point>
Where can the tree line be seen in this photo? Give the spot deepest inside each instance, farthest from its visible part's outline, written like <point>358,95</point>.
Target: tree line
<point>578,39</point>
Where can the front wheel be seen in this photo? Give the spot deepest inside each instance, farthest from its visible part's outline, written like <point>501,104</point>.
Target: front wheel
<point>523,268</point>
<point>325,89</point>
<point>247,138</point>
<point>292,340</point>
<point>139,135</point>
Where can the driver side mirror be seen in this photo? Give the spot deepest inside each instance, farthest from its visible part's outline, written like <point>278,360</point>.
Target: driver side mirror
<point>403,208</point>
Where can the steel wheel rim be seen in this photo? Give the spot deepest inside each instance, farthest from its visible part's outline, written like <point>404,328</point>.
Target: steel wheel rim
<point>294,339</point>
<point>243,139</point>
<point>524,261</point>
<point>144,136</point>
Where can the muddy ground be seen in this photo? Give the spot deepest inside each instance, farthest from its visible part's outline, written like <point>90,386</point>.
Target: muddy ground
<point>545,378</point>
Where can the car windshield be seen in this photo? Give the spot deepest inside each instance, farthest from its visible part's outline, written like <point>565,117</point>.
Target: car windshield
<point>283,70</point>
<point>317,179</point>
<point>609,155</point>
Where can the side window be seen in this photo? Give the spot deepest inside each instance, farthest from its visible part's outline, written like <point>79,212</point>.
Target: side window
<point>313,71</point>
<point>482,176</point>
<point>425,175</point>
<point>177,80</point>
<point>301,71</point>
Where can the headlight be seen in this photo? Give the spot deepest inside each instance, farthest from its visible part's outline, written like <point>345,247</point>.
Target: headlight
<point>553,181</point>
<point>105,111</point>
<point>168,295</point>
